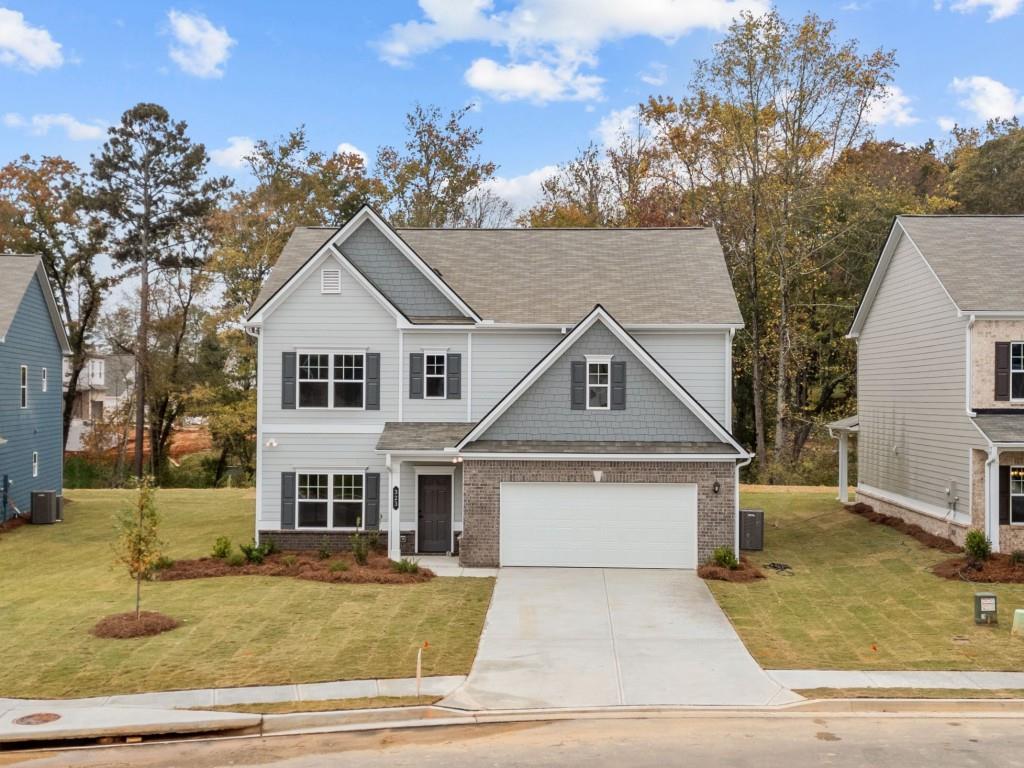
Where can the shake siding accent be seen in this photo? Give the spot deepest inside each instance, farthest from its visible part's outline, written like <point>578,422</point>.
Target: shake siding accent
<point>417,342</point>
<point>910,380</point>
<point>695,360</point>
<point>309,320</point>
<point>31,341</point>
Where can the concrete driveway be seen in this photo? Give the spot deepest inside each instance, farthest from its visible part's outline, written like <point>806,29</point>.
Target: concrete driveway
<point>589,637</point>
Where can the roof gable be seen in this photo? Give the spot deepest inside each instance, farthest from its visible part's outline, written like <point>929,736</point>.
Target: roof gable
<point>18,272</point>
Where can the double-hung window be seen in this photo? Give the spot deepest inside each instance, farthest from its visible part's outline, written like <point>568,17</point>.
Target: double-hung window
<point>332,380</point>
<point>598,385</point>
<point>314,380</point>
<point>349,380</point>
<point>1017,495</point>
<point>435,375</point>
<point>24,386</point>
<point>1017,371</point>
<point>330,500</point>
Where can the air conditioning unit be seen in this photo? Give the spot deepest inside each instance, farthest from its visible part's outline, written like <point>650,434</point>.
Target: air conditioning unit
<point>44,507</point>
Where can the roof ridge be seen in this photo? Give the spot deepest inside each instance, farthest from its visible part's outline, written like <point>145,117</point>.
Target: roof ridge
<point>554,229</point>
<point>960,216</point>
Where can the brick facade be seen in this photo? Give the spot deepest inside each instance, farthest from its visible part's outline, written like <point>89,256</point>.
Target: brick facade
<point>336,541</point>
<point>716,513</point>
<point>944,528</point>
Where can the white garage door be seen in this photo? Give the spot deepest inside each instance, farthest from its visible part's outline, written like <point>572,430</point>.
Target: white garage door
<point>599,525</point>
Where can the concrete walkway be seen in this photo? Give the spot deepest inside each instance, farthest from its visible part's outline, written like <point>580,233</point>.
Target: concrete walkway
<point>586,637</point>
<point>825,678</point>
<point>256,694</point>
<point>55,724</point>
<point>444,565</point>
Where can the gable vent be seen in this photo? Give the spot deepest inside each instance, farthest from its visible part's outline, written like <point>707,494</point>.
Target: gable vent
<point>330,281</point>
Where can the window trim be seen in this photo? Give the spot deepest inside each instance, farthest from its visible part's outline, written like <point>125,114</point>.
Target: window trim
<point>331,474</point>
<point>35,463</point>
<point>606,361</point>
<point>23,387</point>
<point>43,380</point>
<point>427,354</point>
<point>1018,371</point>
<point>334,380</point>
<point>362,352</point>
<point>1015,495</point>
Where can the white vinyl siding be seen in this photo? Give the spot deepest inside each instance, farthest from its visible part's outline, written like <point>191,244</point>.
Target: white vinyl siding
<point>437,409</point>
<point>697,360</point>
<point>914,435</point>
<point>501,359</point>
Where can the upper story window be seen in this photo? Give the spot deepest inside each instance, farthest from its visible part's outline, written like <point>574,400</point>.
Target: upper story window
<point>1017,371</point>
<point>330,281</point>
<point>435,375</point>
<point>24,386</point>
<point>598,382</point>
<point>330,500</point>
<point>43,382</point>
<point>331,380</point>
<point>1017,495</point>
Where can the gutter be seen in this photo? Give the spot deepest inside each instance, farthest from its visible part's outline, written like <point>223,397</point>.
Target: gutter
<point>736,519</point>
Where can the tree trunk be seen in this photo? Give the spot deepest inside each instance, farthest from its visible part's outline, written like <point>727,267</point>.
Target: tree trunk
<point>222,462</point>
<point>140,359</point>
<point>69,399</point>
<point>138,596</point>
<point>782,379</point>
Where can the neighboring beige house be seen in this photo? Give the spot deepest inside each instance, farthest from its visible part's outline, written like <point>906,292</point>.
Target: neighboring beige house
<point>104,385</point>
<point>940,377</point>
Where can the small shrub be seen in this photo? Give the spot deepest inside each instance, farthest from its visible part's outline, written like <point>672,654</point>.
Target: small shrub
<point>269,547</point>
<point>724,557</point>
<point>339,566</point>
<point>289,561</point>
<point>235,560</point>
<point>405,565</point>
<point>163,562</point>
<point>1017,557</point>
<point>360,548</point>
<point>222,547</point>
<point>375,543</point>
<point>977,546</point>
<point>324,552</point>
<point>254,553</point>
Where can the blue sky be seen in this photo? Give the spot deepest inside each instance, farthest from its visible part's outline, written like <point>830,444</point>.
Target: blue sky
<point>546,76</point>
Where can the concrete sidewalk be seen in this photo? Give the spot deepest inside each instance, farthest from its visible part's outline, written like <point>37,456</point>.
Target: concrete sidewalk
<point>256,694</point>
<point>804,679</point>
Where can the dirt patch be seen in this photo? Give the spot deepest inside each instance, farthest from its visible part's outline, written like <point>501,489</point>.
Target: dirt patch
<point>745,573</point>
<point>998,569</point>
<point>911,530</point>
<point>337,569</point>
<point>124,625</point>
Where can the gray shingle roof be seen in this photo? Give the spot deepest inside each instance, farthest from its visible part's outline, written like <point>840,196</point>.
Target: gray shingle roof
<point>849,424</point>
<point>595,446</point>
<point>304,242</point>
<point>422,435</point>
<point>1002,427</point>
<point>16,272</point>
<point>978,259</point>
<point>558,275</point>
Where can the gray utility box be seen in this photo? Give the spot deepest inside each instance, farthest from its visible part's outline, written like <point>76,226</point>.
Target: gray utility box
<point>752,529</point>
<point>44,507</point>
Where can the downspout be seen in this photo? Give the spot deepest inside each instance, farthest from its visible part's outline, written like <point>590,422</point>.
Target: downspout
<point>970,368</point>
<point>736,519</point>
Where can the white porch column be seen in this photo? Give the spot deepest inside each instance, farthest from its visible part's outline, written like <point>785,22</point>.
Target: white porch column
<point>395,515</point>
<point>992,498</point>
<point>844,483</point>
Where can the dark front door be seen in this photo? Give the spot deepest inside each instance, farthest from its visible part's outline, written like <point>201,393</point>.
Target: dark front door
<point>435,513</point>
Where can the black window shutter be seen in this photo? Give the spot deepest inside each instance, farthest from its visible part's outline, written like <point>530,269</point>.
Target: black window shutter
<point>619,385</point>
<point>373,501</point>
<point>416,376</point>
<point>454,369</point>
<point>578,386</point>
<point>287,500</point>
<point>1002,370</point>
<point>373,381</point>
<point>288,380</point>
<point>1004,495</point>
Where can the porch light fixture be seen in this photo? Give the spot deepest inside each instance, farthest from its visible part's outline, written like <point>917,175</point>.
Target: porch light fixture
<point>271,443</point>
<point>598,474</point>
<point>716,487</point>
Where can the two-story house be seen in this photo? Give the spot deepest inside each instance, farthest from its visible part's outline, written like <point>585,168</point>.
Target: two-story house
<point>940,377</point>
<point>556,397</point>
<point>32,349</point>
<point>105,385</point>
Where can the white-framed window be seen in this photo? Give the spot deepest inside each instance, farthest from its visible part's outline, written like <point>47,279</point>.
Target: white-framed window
<point>599,388</point>
<point>349,380</point>
<point>1016,495</point>
<point>331,380</point>
<point>330,280</point>
<point>24,386</point>
<point>1017,370</point>
<point>35,464</point>
<point>43,381</point>
<point>330,500</point>
<point>314,381</point>
<point>435,367</point>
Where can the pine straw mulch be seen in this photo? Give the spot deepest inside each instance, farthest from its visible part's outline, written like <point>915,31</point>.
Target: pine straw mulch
<point>998,569</point>
<point>12,523</point>
<point>337,569</point>
<point>125,625</point>
<point>746,572</point>
<point>914,531</point>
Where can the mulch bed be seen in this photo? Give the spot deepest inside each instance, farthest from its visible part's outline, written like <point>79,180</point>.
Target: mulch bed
<point>124,625</point>
<point>998,569</point>
<point>10,525</point>
<point>745,573</point>
<point>914,531</point>
<point>378,569</point>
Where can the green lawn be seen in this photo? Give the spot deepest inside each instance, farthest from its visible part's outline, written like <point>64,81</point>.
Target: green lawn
<point>57,581</point>
<point>860,597</point>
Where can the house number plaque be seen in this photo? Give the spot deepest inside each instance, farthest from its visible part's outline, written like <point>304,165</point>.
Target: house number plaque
<point>394,498</point>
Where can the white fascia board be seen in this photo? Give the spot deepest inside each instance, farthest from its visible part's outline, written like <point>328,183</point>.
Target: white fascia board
<point>640,327</point>
<point>600,314</point>
<point>51,308</point>
<point>368,214</point>
<point>448,455</point>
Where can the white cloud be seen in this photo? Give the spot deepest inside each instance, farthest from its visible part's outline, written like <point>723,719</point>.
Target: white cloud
<point>350,149</point>
<point>946,124</point>
<point>234,154</point>
<point>549,41</point>
<point>535,81</point>
<point>40,125</point>
<point>521,191</point>
<point>617,123</point>
<point>25,46</point>
<point>201,48</point>
<point>892,109</point>
<point>987,98</point>
<point>656,74</point>
<point>998,9</point>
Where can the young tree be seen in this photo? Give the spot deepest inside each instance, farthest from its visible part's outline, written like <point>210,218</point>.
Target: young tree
<point>138,546</point>
<point>44,210</point>
<point>150,182</point>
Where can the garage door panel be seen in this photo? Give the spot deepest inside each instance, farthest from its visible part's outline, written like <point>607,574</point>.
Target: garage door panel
<point>599,525</point>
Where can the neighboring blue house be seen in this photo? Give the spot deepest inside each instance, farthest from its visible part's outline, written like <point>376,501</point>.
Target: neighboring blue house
<point>32,347</point>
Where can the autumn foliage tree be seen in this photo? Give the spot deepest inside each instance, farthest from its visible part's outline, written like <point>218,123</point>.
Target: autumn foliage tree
<point>138,546</point>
